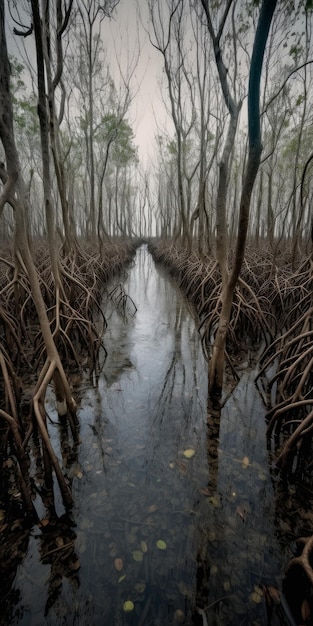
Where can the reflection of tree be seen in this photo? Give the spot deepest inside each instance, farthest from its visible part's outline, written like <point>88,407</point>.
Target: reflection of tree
<point>13,547</point>
<point>57,547</point>
<point>294,520</point>
<point>214,421</point>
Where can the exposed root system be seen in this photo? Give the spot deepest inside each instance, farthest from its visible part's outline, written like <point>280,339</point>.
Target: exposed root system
<point>78,324</point>
<point>272,307</point>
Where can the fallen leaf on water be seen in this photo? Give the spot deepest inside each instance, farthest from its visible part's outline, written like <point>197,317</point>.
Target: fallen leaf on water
<point>121,578</point>
<point>205,491</point>
<point>256,595</point>
<point>161,544</point>
<point>137,555</point>
<point>140,587</point>
<point>118,564</point>
<point>189,453</point>
<point>245,462</point>
<point>128,606</point>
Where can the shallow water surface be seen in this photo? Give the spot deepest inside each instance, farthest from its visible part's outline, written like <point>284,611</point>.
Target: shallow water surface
<point>171,517</point>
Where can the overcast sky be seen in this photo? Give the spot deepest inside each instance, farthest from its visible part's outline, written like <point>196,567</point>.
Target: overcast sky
<point>124,36</point>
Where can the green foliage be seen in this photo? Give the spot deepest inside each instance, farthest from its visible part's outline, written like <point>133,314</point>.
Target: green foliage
<point>291,143</point>
<point>120,134</point>
<point>24,105</point>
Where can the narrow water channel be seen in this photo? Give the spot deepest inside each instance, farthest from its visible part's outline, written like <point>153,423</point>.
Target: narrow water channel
<point>168,522</point>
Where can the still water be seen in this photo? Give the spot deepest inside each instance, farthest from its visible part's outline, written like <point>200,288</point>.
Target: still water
<point>170,524</point>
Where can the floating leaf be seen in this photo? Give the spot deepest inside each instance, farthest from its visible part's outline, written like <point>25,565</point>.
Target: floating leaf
<point>128,606</point>
<point>137,555</point>
<point>205,491</point>
<point>140,587</point>
<point>118,564</point>
<point>245,462</point>
<point>121,578</point>
<point>74,566</point>
<point>152,508</point>
<point>256,595</point>
<point>161,544</point>
<point>214,500</point>
<point>189,453</point>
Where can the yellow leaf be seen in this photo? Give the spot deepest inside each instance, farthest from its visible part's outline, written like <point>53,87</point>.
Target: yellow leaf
<point>256,595</point>
<point>161,544</point>
<point>245,462</point>
<point>137,555</point>
<point>121,578</point>
<point>128,606</point>
<point>189,453</point>
<point>214,500</point>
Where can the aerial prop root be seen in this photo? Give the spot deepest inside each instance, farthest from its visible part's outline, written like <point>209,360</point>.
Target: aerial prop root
<point>52,371</point>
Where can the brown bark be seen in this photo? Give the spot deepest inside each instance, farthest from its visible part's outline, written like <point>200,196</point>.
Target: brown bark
<point>18,200</point>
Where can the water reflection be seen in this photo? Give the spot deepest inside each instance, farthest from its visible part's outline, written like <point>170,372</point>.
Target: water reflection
<point>173,513</point>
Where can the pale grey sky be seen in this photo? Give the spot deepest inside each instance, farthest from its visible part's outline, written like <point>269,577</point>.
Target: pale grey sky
<point>124,36</point>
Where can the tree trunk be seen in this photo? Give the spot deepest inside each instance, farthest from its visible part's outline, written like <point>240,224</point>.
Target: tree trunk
<point>216,368</point>
<point>14,193</point>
